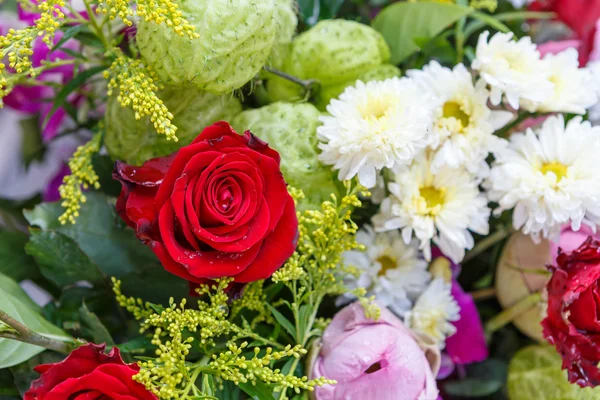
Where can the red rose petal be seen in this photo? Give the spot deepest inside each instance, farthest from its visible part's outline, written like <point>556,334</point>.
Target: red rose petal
<point>217,132</point>
<point>582,313</point>
<point>276,249</point>
<point>255,143</point>
<point>171,265</point>
<point>151,173</point>
<point>178,203</point>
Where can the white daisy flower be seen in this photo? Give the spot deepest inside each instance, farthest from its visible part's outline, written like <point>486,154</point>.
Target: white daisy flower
<point>375,125</point>
<point>391,271</point>
<point>512,68</point>
<point>463,127</point>
<point>550,177</point>
<point>574,87</point>
<point>442,207</point>
<point>434,311</point>
<point>594,112</point>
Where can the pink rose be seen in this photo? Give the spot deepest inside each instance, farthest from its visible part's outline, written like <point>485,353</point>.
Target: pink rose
<point>375,359</point>
<point>570,240</point>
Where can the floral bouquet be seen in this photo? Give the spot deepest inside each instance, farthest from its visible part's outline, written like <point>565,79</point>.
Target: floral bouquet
<point>299,199</point>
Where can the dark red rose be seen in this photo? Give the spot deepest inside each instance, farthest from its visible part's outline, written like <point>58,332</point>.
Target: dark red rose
<point>579,15</point>
<point>216,208</point>
<point>572,323</point>
<point>88,374</point>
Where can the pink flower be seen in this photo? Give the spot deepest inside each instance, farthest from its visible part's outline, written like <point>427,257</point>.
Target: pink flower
<point>375,359</point>
<point>570,240</point>
<point>558,46</point>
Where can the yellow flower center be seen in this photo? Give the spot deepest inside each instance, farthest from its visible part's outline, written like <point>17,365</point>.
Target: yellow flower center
<point>430,200</point>
<point>557,168</point>
<point>387,263</point>
<point>453,109</point>
<point>376,108</point>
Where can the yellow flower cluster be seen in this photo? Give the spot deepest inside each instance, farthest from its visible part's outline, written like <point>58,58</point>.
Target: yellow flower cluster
<point>82,176</point>
<point>137,89</point>
<point>254,299</point>
<point>233,366</point>
<point>158,11</point>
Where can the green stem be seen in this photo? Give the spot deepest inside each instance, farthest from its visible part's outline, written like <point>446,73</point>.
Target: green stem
<point>23,334</point>
<point>94,23</point>
<point>488,242</point>
<point>311,86</point>
<point>509,314</point>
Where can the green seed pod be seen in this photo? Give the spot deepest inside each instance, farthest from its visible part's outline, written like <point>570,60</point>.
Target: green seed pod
<point>287,22</point>
<point>291,129</point>
<point>379,73</point>
<point>333,52</point>
<point>135,141</point>
<point>236,39</point>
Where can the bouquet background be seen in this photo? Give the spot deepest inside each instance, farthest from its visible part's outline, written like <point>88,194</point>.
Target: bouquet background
<point>321,199</point>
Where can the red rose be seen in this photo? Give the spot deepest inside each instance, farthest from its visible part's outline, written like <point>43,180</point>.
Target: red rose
<point>88,373</point>
<point>572,323</point>
<point>579,15</point>
<point>218,207</point>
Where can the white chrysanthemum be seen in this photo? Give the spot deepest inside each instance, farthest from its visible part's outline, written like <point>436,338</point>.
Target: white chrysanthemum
<point>463,125</point>
<point>512,68</point>
<point>594,112</point>
<point>434,311</point>
<point>391,270</point>
<point>549,178</point>
<point>574,87</point>
<point>375,125</point>
<point>442,207</point>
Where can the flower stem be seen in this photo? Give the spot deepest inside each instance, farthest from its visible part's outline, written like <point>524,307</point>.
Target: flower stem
<point>483,294</point>
<point>311,86</point>
<point>23,334</point>
<point>488,242</point>
<point>508,315</point>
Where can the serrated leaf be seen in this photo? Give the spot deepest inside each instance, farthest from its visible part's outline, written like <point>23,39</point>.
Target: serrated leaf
<point>12,302</point>
<point>60,259</point>
<point>287,325</point>
<point>535,373</point>
<point>401,23</point>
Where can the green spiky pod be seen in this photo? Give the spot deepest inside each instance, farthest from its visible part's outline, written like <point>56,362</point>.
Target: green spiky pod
<point>291,129</point>
<point>135,141</point>
<point>333,52</point>
<point>236,39</point>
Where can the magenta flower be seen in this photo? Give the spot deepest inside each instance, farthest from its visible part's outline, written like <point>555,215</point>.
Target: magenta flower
<point>375,359</point>
<point>570,240</point>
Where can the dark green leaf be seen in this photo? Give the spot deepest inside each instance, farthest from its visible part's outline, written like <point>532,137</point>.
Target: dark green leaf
<point>104,166</point>
<point>113,247</point>
<point>485,378</point>
<point>95,327</point>
<point>401,23</point>
<point>68,34</point>
<point>32,146</point>
<point>310,11</point>
<point>289,327</point>
<point>490,20</point>
<point>89,39</point>
<point>260,391</point>
<point>138,345</point>
<point>330,8</point>
<point>73,54</point>
<point>60,259</point>
<point>14,262</point>
<point>72,86</point>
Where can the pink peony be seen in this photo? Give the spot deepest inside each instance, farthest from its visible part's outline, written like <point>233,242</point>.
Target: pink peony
<point>375,359</point>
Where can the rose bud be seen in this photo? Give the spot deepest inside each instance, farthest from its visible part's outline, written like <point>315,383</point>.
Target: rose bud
<point>375,359</point>
<point>572,323</point>
<point>216,208</point>
<point>88,373</point>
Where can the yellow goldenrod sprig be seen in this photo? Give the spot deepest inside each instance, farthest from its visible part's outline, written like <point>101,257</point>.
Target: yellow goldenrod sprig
<point>158,11</point>
<point>254,299</point>
<point>82,176</point>
<point>137,87</point>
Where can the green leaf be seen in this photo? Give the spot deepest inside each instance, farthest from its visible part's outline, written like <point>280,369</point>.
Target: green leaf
<point>485,379</point>
<point>208,385</point>
<point>72,86</point>
<point>139,345</point>
<point>14,262</point>
<point>32,145</point>
<point>60,259</point>
<point>260,391</point>
<point>490,20</point>
<point>68,34</point>
<point>535,373</point>
<point>95,327</point>
<point>12,302</point>
<point>289,327</point>
<point>401,23</point>
<point>112,247</point>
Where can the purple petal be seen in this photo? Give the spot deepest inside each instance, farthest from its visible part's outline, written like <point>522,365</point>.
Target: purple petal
<point>51,192</point>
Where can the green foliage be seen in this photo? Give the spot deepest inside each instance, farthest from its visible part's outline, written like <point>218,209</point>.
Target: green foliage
<point>98,246</point>
<point>535,373</point>
<point>313,11</point>
<point>17,304</point>
<point>134,140</point>
<point>14,262</point>
<point>402,23</point>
